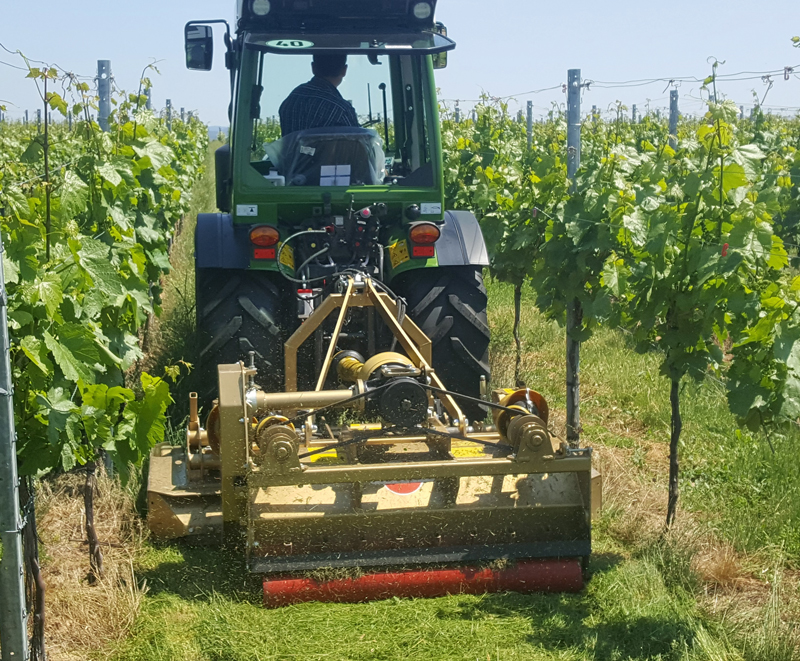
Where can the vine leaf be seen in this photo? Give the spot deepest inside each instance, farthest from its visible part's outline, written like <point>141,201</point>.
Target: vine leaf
<point>36,352</point>
<point>787,351</point>
<point>93,257</point>
<point>146,417</point>
<point>110,174</point>
<point>75,352</point>
<point>47,291</point>
<point>74,195</point>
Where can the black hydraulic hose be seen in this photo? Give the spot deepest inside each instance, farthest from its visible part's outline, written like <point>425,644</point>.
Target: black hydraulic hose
<point>283,247</point>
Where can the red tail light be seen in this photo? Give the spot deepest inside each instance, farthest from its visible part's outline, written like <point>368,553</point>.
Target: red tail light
<point>425,234</point>
<point>265,236</point>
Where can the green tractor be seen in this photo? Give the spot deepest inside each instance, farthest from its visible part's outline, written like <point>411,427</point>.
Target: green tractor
<point>301,210</point>
<point>345,337</point>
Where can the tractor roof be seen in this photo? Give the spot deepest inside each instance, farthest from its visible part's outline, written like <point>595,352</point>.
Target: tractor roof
<point>335,16</point>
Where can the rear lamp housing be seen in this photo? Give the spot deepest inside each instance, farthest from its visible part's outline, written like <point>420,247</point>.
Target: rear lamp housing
<point>422,10</point>
<point>424,234</point>
<point>265,236</point>
<point>260,7</point>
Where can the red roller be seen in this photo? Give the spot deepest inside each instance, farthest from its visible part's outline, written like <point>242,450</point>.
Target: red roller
<point>523,576</point>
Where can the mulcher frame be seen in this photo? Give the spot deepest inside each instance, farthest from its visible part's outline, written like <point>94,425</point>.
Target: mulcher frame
<point>558,526</point>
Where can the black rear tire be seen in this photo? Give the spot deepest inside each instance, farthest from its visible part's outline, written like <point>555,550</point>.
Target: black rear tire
<point>239,312</point>
<point>449,305</point>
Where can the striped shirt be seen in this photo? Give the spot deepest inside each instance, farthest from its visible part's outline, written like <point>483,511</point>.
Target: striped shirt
<point>316,104</point>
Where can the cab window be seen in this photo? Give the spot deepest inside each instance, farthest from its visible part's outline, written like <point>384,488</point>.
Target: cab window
<point>336,121</point>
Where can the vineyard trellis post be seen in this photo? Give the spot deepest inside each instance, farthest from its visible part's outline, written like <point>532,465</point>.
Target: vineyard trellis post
<point>458,114</point>
<point>26,118</point>
<point>530,125</point>
<point>183,114</point>
<point>13,617</point>
<point>634,114</point>
<point>574,310</point>
<point>104,92</point>
<point>38,120</point>
<point>149,103</point>
<point>169,114</point>
<point>673,119</point>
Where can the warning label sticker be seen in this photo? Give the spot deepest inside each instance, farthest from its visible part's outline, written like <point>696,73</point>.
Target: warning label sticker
<point>398,253</point>
<point>287,256</point>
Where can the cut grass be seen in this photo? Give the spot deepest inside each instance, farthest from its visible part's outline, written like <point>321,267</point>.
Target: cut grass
<point>627,611</point>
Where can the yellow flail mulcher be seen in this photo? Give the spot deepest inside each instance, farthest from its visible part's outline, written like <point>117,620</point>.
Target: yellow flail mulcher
<point>376,474</point>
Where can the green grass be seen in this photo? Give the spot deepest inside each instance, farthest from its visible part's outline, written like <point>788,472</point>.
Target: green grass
<point>203,605</point>
<point>645,599</point>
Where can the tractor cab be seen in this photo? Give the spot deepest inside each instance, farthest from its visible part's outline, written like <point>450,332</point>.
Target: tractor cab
<point>280,171</point>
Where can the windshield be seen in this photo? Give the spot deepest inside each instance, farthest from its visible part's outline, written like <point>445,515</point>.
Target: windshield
<point>337,120</point>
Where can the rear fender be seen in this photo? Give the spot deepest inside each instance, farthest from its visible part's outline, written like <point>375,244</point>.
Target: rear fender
<point>461,244</point>
<point>219,243</point>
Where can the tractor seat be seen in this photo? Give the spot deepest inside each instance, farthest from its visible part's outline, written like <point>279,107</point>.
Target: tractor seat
<point>333,156</point>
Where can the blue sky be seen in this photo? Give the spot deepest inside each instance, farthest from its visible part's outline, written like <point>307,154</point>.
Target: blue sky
<point>505,47</point>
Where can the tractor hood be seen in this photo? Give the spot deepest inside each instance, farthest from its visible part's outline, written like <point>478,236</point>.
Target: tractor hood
<point>335,15</point>
<point>422,43</point>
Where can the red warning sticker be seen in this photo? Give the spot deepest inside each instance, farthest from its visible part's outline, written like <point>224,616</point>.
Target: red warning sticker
<point>404,488</point>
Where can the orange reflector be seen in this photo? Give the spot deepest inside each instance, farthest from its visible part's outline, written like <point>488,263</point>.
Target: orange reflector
<point>424,233</point>
<point>265,236</point>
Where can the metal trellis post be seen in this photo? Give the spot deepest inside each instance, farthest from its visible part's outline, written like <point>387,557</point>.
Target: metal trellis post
<point>13,618</point>
<point>149,94</point>
<point>183,114</point>
<point>458,114</point>
<point>673,119</point>
<point>634,113</point>
<point>169,114</point>
<point>530,125</point>
<point>104,92</point>
<point>574,309</point>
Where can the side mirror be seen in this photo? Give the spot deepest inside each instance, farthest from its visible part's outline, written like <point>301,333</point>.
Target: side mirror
<point>199,47</point>
<point>440,59</point>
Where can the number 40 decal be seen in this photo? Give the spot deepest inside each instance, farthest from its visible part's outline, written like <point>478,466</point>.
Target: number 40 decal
<point>290,43</point>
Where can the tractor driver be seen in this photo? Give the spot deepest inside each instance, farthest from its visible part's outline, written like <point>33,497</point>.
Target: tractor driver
<point>318,103</point>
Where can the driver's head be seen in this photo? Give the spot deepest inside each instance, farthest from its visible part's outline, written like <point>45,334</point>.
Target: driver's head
<point>332,68</point>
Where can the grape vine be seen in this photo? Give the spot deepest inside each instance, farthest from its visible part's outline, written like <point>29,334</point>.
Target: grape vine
<point>687,249</point>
